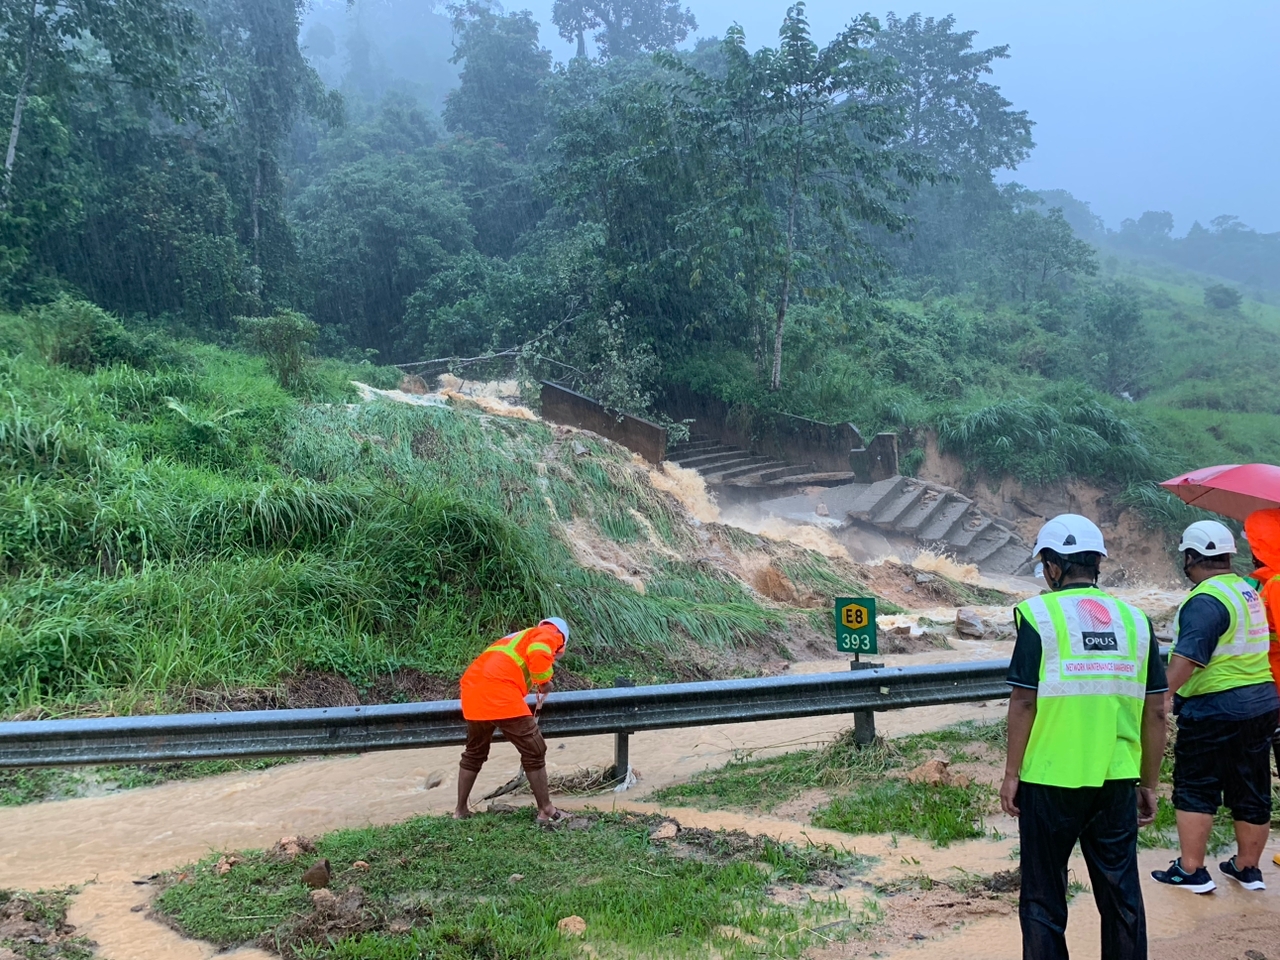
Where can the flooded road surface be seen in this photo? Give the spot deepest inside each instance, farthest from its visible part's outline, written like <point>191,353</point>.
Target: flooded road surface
<point>111,841</point>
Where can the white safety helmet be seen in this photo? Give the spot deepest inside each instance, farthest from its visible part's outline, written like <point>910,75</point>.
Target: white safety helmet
<point>1070,533</point>
<point>560,625</point>
<point>1209,538</point>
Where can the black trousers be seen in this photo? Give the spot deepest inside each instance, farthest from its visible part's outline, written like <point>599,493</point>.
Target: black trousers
<point>1105,821</point>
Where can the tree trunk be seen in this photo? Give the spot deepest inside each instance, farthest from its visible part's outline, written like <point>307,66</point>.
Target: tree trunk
<point>582,47</point>
<point>19,104</point>
<point>776,382</point>
<point>254,205</point>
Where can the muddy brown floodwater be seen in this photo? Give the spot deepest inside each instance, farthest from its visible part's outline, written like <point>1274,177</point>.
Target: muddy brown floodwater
<point>110,842</point>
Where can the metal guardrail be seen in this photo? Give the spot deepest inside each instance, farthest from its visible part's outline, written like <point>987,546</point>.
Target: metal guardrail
<point>622,710</point>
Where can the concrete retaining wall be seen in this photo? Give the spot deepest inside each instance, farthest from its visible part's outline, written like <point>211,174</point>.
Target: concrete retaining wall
<point>574,410</point>
<point>825,447</point>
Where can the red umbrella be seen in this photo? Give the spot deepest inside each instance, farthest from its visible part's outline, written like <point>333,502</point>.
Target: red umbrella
<point>1232,490</point>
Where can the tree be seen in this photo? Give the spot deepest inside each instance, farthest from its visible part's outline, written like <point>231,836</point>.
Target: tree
<point>500,93</point>
<point>1114,315</point>
<point>143,43</point>
<point>952,114</point>
<point>625,27</point>
<point>370,234</point>
<point>798,141</point>
<point>253,55</point>
<point>1221,297</point>
<point>1034,254</point>
<point>1151,230</point>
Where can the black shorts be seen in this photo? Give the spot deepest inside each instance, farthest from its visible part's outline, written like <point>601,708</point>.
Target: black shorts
<point>1224,763</point>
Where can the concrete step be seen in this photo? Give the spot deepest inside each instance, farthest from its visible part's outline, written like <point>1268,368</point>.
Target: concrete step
<point>928,507</point>
<point>829,479</point>
<point>692,446</point>
<point>1009,559</point>
<point>871,499</point>
<point>985,546</point>
<point>735,469</point>
<point>892,510</point>
<point>780,471</point>
<point>944,522</point>
<point>741,460</point>
<point>973,526</point>
<point>702,462</point>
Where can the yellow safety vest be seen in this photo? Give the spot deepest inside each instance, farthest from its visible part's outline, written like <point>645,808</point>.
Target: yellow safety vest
<point>1240,658</point>
<point>1092,684</point>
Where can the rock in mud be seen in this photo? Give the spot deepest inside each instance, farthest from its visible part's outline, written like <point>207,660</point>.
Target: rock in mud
<point>411,383</point>
<point>573,926</point>
<point>1005,881</point>
<point>318,874</point>
<point>434,780</point>
<point>935,773</point>
<point>289,849</point>
<point>225,863</point>
<point>667,830</point>
<point>361,865</point>
<point>969,624</point>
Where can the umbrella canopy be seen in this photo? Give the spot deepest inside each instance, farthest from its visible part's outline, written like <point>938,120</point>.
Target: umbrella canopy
<point>1233,490</point>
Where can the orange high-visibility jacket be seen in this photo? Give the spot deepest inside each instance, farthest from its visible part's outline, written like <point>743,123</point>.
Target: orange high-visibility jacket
<point>496,683</point>
<point>1263,531</point>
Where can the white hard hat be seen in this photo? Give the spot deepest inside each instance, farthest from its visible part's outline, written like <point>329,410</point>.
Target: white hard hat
<point>1070,533</point>
<point>1209,538</point>
<point>560,625</point>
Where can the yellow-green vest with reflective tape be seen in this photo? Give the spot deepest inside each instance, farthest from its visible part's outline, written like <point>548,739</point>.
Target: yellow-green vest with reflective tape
<point>513,646</point>
<point>1240,658</point>
<point>1092,685</point>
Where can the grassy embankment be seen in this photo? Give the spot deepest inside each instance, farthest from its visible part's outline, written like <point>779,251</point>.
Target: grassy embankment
<point>493,886</point>
<point>182,533</point>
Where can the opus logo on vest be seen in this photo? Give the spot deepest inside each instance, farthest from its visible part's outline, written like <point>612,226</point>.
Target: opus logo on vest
<point>1095,626</point>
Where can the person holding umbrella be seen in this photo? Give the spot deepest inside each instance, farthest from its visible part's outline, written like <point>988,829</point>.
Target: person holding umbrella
<point>1226,704</point>
<point>1262,529</point>
<point>1250,493</point>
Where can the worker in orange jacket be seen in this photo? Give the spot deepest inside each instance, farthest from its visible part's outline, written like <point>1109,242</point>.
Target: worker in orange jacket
<point>493,692</point>
<point>1262,529</point>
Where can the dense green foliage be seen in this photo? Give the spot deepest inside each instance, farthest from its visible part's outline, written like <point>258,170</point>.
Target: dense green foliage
<point>783,215</point>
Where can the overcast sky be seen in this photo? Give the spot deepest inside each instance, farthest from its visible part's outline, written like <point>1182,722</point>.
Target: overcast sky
<point>1139,105</point>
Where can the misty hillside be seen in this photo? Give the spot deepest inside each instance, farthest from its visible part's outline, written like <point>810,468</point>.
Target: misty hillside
<point>830,228</point>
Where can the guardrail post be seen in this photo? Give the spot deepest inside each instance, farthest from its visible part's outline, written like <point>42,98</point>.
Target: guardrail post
<point>621,743</point>
<point>864,721</point>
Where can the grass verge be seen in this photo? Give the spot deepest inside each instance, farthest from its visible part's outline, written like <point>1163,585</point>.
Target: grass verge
<point>862,798</point>
<point>496,887</point>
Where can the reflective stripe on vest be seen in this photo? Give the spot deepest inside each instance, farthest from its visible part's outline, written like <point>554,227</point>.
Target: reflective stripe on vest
<point>1092,685</point>
<point>1240,658</point>
<point>509,646</point>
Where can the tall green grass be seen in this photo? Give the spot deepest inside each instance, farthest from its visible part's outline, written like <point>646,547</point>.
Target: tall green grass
<point>194,525</point>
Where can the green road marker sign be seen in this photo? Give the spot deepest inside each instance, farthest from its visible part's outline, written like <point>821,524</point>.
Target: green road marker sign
<point>856,625</point>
